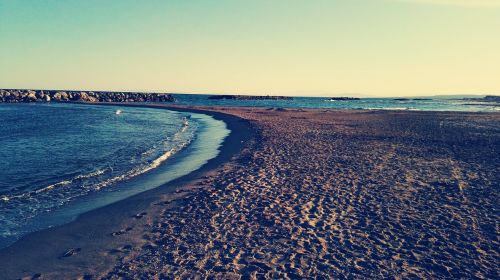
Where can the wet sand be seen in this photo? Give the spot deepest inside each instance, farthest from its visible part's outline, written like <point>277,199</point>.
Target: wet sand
<point>314,193</point>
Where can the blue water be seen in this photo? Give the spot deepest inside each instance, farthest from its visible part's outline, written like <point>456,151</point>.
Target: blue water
<point>60,160</point>
<point>435,104</point>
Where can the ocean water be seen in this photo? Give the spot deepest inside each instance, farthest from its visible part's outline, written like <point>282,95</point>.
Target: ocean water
<point>60,160</point>
<point>430,104</point>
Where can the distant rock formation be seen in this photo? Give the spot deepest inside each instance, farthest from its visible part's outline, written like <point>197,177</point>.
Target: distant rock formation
<point>487,98</point>
<point>25,96</point>
<point>492,98</point>
<point>343,98</point>
<point>249,97</point>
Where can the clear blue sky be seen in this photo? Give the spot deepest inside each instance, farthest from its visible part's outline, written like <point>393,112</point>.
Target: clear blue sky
<point>283,47</point>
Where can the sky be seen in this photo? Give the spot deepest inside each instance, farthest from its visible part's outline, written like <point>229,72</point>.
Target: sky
<point>279,47</point>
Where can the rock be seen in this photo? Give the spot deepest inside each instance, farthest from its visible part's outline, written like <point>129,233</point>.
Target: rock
<point>84,97</point>
<point>343,98</point>
<point>487,98</point>
<point>30,96</point>
<point>39,94</point>
<point>57,96</point>
<point>492,98</point>
<point>61,96</point>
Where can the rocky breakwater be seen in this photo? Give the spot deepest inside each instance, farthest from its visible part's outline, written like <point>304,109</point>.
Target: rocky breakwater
<point>26,96</point>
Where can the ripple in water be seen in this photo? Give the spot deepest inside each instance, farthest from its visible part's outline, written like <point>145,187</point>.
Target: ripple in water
<point>58,153</point>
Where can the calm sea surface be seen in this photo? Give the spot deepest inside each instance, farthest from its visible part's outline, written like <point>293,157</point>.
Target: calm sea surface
<point>430,104</point>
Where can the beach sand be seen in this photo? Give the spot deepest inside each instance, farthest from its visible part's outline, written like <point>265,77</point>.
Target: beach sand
<point>313,193</point>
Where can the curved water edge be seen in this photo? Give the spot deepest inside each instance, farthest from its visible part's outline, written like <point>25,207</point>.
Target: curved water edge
<point>181,160</point>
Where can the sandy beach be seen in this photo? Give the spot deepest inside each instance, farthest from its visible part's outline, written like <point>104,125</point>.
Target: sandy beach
<point>300,194</point>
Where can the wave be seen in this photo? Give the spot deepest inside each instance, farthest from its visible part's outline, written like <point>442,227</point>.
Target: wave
<point>45,199</point>
<point>55,185</point>
<point>152,165</point>
<point>93,174</point>
<point>143,168</point>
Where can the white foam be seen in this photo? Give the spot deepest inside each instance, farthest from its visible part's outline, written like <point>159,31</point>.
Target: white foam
<point>92,174</point>
<point>394,108</point>
<point>152,165</point>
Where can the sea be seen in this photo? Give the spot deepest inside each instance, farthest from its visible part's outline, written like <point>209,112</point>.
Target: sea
<point>433,103</point>
<point>59,160</point>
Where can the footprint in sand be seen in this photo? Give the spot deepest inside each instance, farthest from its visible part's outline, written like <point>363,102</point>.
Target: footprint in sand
<point>122,231</point>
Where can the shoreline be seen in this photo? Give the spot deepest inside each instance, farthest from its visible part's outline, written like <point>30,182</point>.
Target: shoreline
<point>39,251</point>
<point>317,193</point>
